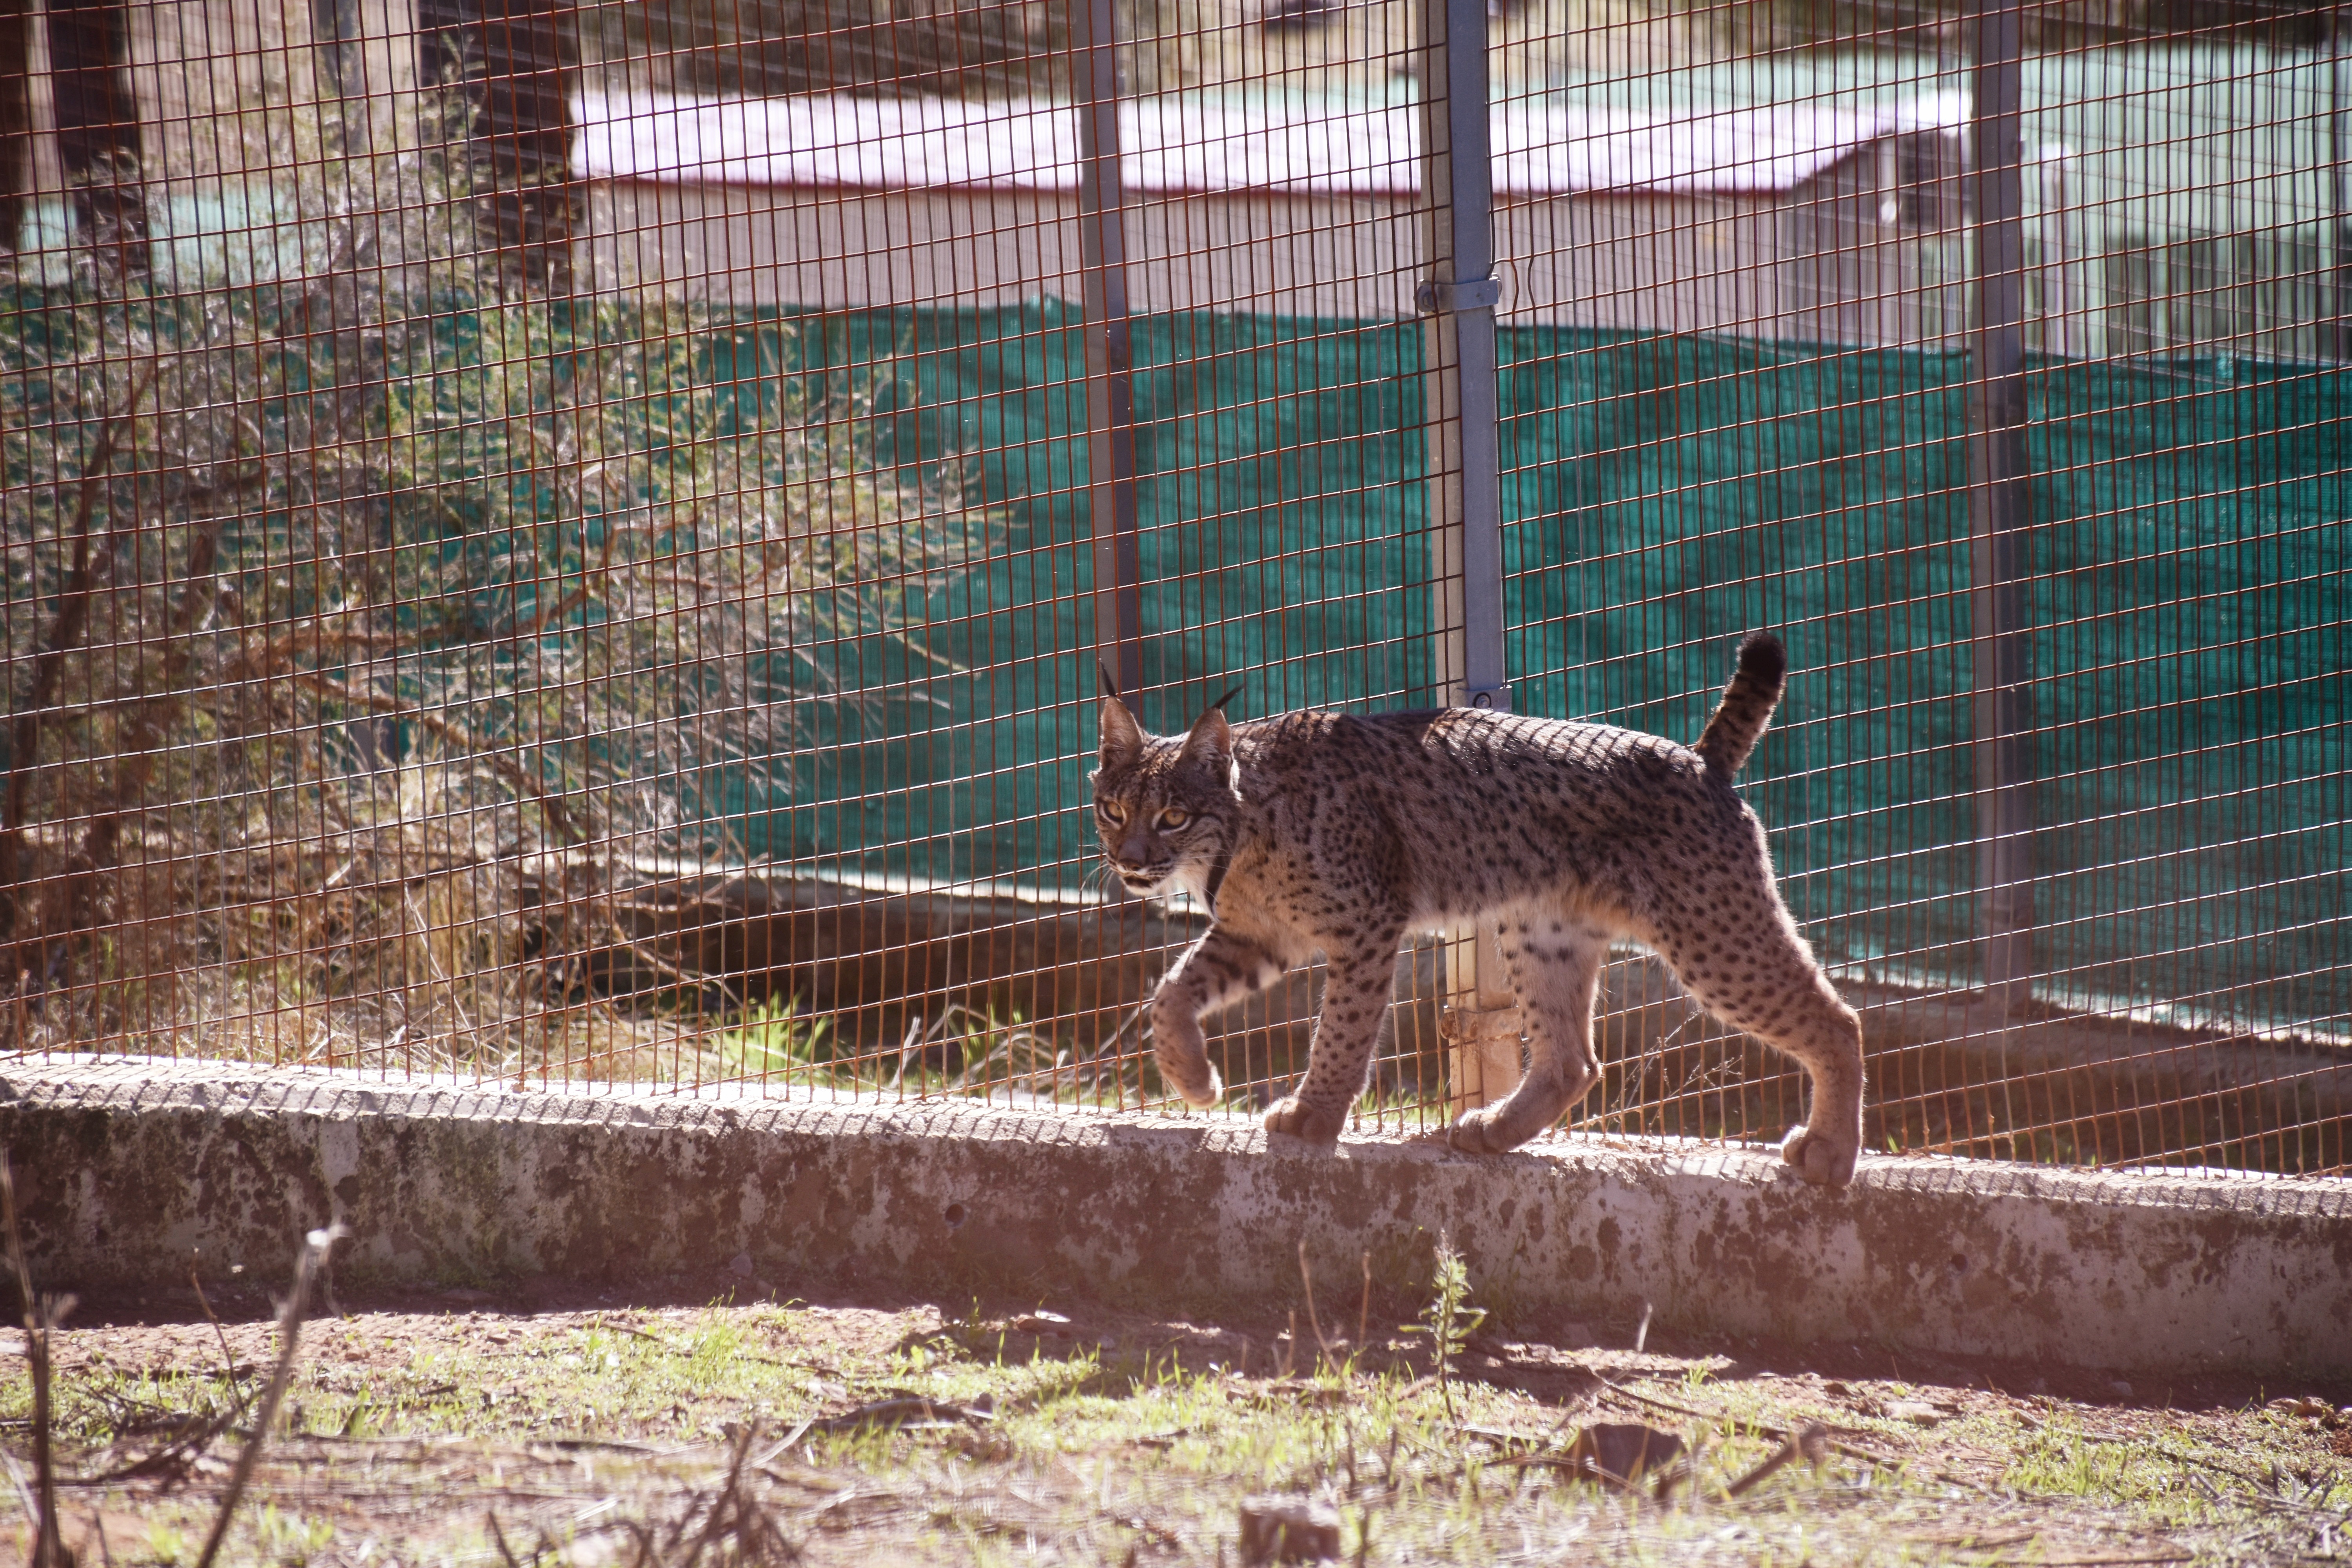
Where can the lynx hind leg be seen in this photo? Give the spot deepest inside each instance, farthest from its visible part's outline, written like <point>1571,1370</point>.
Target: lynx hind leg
<point>1736,952</point>
<point>1555,964</point>
<point>1216,971</point>
<point>1356,988</point>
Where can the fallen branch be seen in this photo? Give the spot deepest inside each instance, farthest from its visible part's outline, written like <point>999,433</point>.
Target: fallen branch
<point>1619,1457</point>
<point>433,724</point>
<point>173,1458</point>
<point>137,746</point>
<point>892,1413</point>
<point>1810,1443</point>
<point>65,629</point>
<point>1775,1433</point>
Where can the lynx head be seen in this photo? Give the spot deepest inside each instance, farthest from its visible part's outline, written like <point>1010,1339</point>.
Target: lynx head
<point>1164,807</point>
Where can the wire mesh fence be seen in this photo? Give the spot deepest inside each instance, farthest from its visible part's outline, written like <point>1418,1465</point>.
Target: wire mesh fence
<point>566,546</point>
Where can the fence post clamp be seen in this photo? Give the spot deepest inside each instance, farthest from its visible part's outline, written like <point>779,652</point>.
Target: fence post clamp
<point>1484,1036</point>
<point>1440,296</point>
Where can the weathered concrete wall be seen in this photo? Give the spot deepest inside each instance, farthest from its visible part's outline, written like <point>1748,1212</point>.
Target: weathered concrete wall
<point>124,1168</point>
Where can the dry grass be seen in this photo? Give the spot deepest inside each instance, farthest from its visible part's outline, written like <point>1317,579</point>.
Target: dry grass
<point>652,1424</point>
<point>362,628</point>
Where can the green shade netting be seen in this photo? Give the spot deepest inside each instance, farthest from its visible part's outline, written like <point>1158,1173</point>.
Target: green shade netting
<point>2191,559</point>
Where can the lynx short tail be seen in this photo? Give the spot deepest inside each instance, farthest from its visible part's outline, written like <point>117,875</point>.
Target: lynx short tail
<point>1746,706</point>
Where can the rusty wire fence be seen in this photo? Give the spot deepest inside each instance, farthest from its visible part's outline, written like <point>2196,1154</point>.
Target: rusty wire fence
<point>570,545</point>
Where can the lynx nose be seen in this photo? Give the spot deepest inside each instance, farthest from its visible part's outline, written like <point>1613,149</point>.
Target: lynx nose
<point>1140,863</point>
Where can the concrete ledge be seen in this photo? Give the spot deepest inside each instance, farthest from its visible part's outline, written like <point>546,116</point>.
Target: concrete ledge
<point>124,1167</point>
<point>875,955</point>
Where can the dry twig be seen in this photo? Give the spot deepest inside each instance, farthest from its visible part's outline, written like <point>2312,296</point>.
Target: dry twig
<point>65,629</point>
<point>441,729</point>
<point>41,1316</point>
<point>897,1411</point>
<point>1306,1276</point>
<point>315,1247</point>
<point>1810,1443</point>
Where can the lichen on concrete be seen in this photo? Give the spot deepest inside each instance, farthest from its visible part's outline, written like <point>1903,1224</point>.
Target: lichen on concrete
<point>127,1170</point>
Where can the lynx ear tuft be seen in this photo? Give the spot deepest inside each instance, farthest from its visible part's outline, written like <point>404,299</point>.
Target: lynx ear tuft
<point>1210,741</point>
<point>1122,737</point>
<point>1109,687</point>
<point>1220,703</point>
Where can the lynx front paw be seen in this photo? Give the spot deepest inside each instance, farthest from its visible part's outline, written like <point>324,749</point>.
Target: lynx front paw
<point>1819,1159</point>
<point>1315,1123</point>
<point>1184,1064</point>
<point>1481,1132</point>
<point>1196,1081</point>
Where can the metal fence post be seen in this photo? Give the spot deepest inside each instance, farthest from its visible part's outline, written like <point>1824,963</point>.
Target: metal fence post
<point>2000,514</point>
<point>15,119</point>
<point>1456,298</point>
<point>2337,331</point>
<point>1111,389</point>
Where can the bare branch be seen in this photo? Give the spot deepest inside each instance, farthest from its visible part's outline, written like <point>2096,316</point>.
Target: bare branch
<point>315,1247</point>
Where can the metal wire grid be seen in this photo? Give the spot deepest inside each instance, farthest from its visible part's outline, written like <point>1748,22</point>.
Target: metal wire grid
<point>2075,1064</point>
<point>554,622</point>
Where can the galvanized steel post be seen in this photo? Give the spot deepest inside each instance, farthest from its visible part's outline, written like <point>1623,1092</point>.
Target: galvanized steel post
<point>2000,513</point>
<point>1456,297</point>
<point>1110,391</point>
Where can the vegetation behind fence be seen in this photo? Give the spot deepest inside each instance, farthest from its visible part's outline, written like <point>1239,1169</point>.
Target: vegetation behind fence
<point>428,647</point>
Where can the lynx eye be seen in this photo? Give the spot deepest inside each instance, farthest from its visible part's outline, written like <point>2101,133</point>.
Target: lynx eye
<point>1110,812</point>
<point>1174,817</point>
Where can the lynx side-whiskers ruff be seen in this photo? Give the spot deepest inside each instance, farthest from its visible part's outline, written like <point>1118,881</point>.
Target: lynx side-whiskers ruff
<point>1335,834</point>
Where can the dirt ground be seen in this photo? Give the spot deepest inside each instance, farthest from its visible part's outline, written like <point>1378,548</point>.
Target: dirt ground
<point>722,1420</point>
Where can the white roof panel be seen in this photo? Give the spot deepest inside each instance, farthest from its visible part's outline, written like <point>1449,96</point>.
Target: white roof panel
<point>1192,144</point>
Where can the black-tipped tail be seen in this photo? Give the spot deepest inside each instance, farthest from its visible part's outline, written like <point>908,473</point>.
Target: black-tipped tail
<point>1747,707</point>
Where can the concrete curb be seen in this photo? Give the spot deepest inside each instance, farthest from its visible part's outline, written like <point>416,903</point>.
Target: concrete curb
<point>124,1167</point>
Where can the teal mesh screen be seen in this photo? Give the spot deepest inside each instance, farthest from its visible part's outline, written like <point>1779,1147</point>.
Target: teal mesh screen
<point>1662,495</point>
